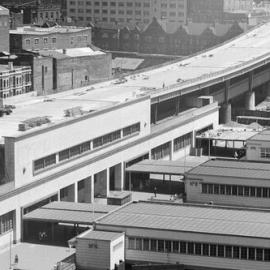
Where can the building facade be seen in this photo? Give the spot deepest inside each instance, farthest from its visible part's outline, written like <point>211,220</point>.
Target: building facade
<point>226,182</point>
<point>15,80</point>
<point>85,11</point>
<point>36,38</point>
<point>4,29</point>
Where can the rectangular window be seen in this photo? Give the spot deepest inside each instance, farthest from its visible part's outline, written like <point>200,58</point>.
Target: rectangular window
<point>246,191</point>
<point>63,155</point>
<point>106,139</point>
<point>175,246</point>
<point>190,248</point>
<point>265,152</point>
<point>228,190</point>
<point>183,247</point>
<point>251,253</point>
<point>53,40</point>
<point>153,245</point>
<point>258,192</point>
<point>205,249</point>
<point>127,131</point>
<point>236,252</point>
<point>252,191</point>
<point>267,255</point>
<point>160,245</point>
<point>138,243</point>
<point>234,190</point>
<point>198,249</point>
<point>131,243</point>
<point>228,251</point>
<point>216,189</point>
<point>243,253</point>
<point>213,250</point>
<point>45,40</point>
<point>182,142</point>
<point>168,246</point>
<point>204,188</point>
<point>161,151</point>
<point>259,254</point>
<point>36,40</point>
<point>210,188</point>
<point>240,191</point>
<point>222,189</point>
<point>221,252</point>
<point>265,192</point>
<point>44,162</point>
<point>6,222</point>
<point>146,245</point>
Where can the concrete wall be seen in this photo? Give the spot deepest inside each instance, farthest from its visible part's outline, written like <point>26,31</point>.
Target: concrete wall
<point>80,71</point>
<point>43,75</point>
<point>90,257</point>
<point>117,251</point>
<point>193,186</point>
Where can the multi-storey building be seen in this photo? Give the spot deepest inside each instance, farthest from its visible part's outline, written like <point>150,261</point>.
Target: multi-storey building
<point>85,11</point>
<point>4,29</point>
<point>36,38</point>
<point>14,80</point>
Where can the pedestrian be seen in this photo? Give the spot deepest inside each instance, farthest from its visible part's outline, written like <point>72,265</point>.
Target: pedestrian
<point>16,259</point>
<point>155,191</point>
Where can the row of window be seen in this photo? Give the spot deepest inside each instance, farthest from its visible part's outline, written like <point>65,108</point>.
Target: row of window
<point>112,4</point>
<point>200,249</point>
<point>265,152</point>
<point>179,143</point>
<point>6,222</point>
<point>114,12</point>
<point>79,149</point>
<point>236,190</point>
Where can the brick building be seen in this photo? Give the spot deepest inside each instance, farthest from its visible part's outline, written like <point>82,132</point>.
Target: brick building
<point>162,39</point>
<point>59,37</point>
<point>4,29</point>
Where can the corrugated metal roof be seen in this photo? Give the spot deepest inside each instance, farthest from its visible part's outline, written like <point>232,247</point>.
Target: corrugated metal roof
<point>161,167</point>
<point>69,212</point>
<point>197,219</point>
<point>100,235</point>
<point>102,208</point>
<point>233,168</point>
<point>262,136</point>
<point>65,216</point>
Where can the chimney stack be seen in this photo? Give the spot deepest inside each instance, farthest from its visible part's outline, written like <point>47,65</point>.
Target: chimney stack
<point>10,65</point>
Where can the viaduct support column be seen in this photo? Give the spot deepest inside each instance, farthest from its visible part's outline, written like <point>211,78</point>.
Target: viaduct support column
<point>250,96</point>
<point>226,108</point>
<point>250,100</point>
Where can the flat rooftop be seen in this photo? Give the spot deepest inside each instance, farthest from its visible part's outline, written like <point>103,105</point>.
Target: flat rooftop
<point>230,57</point>
<point>31,255</point>
<point>32,30</point>
<point>233,168</point>
<point>190,218</point>
<point>100,235</point>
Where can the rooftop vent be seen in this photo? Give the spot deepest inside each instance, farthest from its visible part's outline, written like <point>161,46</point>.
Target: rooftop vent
<point>75,111</point>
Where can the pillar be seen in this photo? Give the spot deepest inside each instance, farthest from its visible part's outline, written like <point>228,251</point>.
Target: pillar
<point>250,100</point>
<point>155,113</point>
<point>177,105</point>
<point>107,181</point>
<point>92,194</point>
<point>226,113</point>
<point>76,192</point>
<point>172,152</point>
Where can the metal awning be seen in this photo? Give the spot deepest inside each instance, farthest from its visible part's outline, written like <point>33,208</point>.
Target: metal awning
<point>161,167</point>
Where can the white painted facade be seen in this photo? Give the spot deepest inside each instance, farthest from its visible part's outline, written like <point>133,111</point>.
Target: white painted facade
<point>254,150</point>
<point>32,187</point>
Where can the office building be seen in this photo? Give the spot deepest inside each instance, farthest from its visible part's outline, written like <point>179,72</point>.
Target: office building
<point>4,29</point>
<point>86,11</point>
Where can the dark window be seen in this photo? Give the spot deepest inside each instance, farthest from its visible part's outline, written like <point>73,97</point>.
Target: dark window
<point>246,191</point>
<point>213,250</point>
<point>153,245</point>
<point>252,191</point>
<point>216,189</point>
<point>259,192</point>
<point>138,243</point>
<point>175,246</point>
<point>183,247</point>
<point>228,251</point>
<point>63,155</point>
<point>228,190</point>
<point>236,253</point>
<point>204,188</point>
<point>234,190</point>
<point>251,253</point>
<point>222,189</point>
<point>198,249</point>
<point>240,191</point>
<point>265,192</point>
<point>221,252</point>
<point>161,245</point>
<point>190,248</point>
<point>210,188</point>
<point>267,255</point>
<point>243,253</point>
<point>205,249</point>
<point>168,246</point>
<point>131,243</point>
<point>259,254</point>
<point>146,245</point>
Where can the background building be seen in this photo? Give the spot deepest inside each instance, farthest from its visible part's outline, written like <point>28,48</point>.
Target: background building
<point>85,11</point>
<point>4,29</point>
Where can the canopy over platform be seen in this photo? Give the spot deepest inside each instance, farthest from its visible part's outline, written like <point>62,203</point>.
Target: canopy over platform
<point>67,212</point>
<point>179,167</point>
